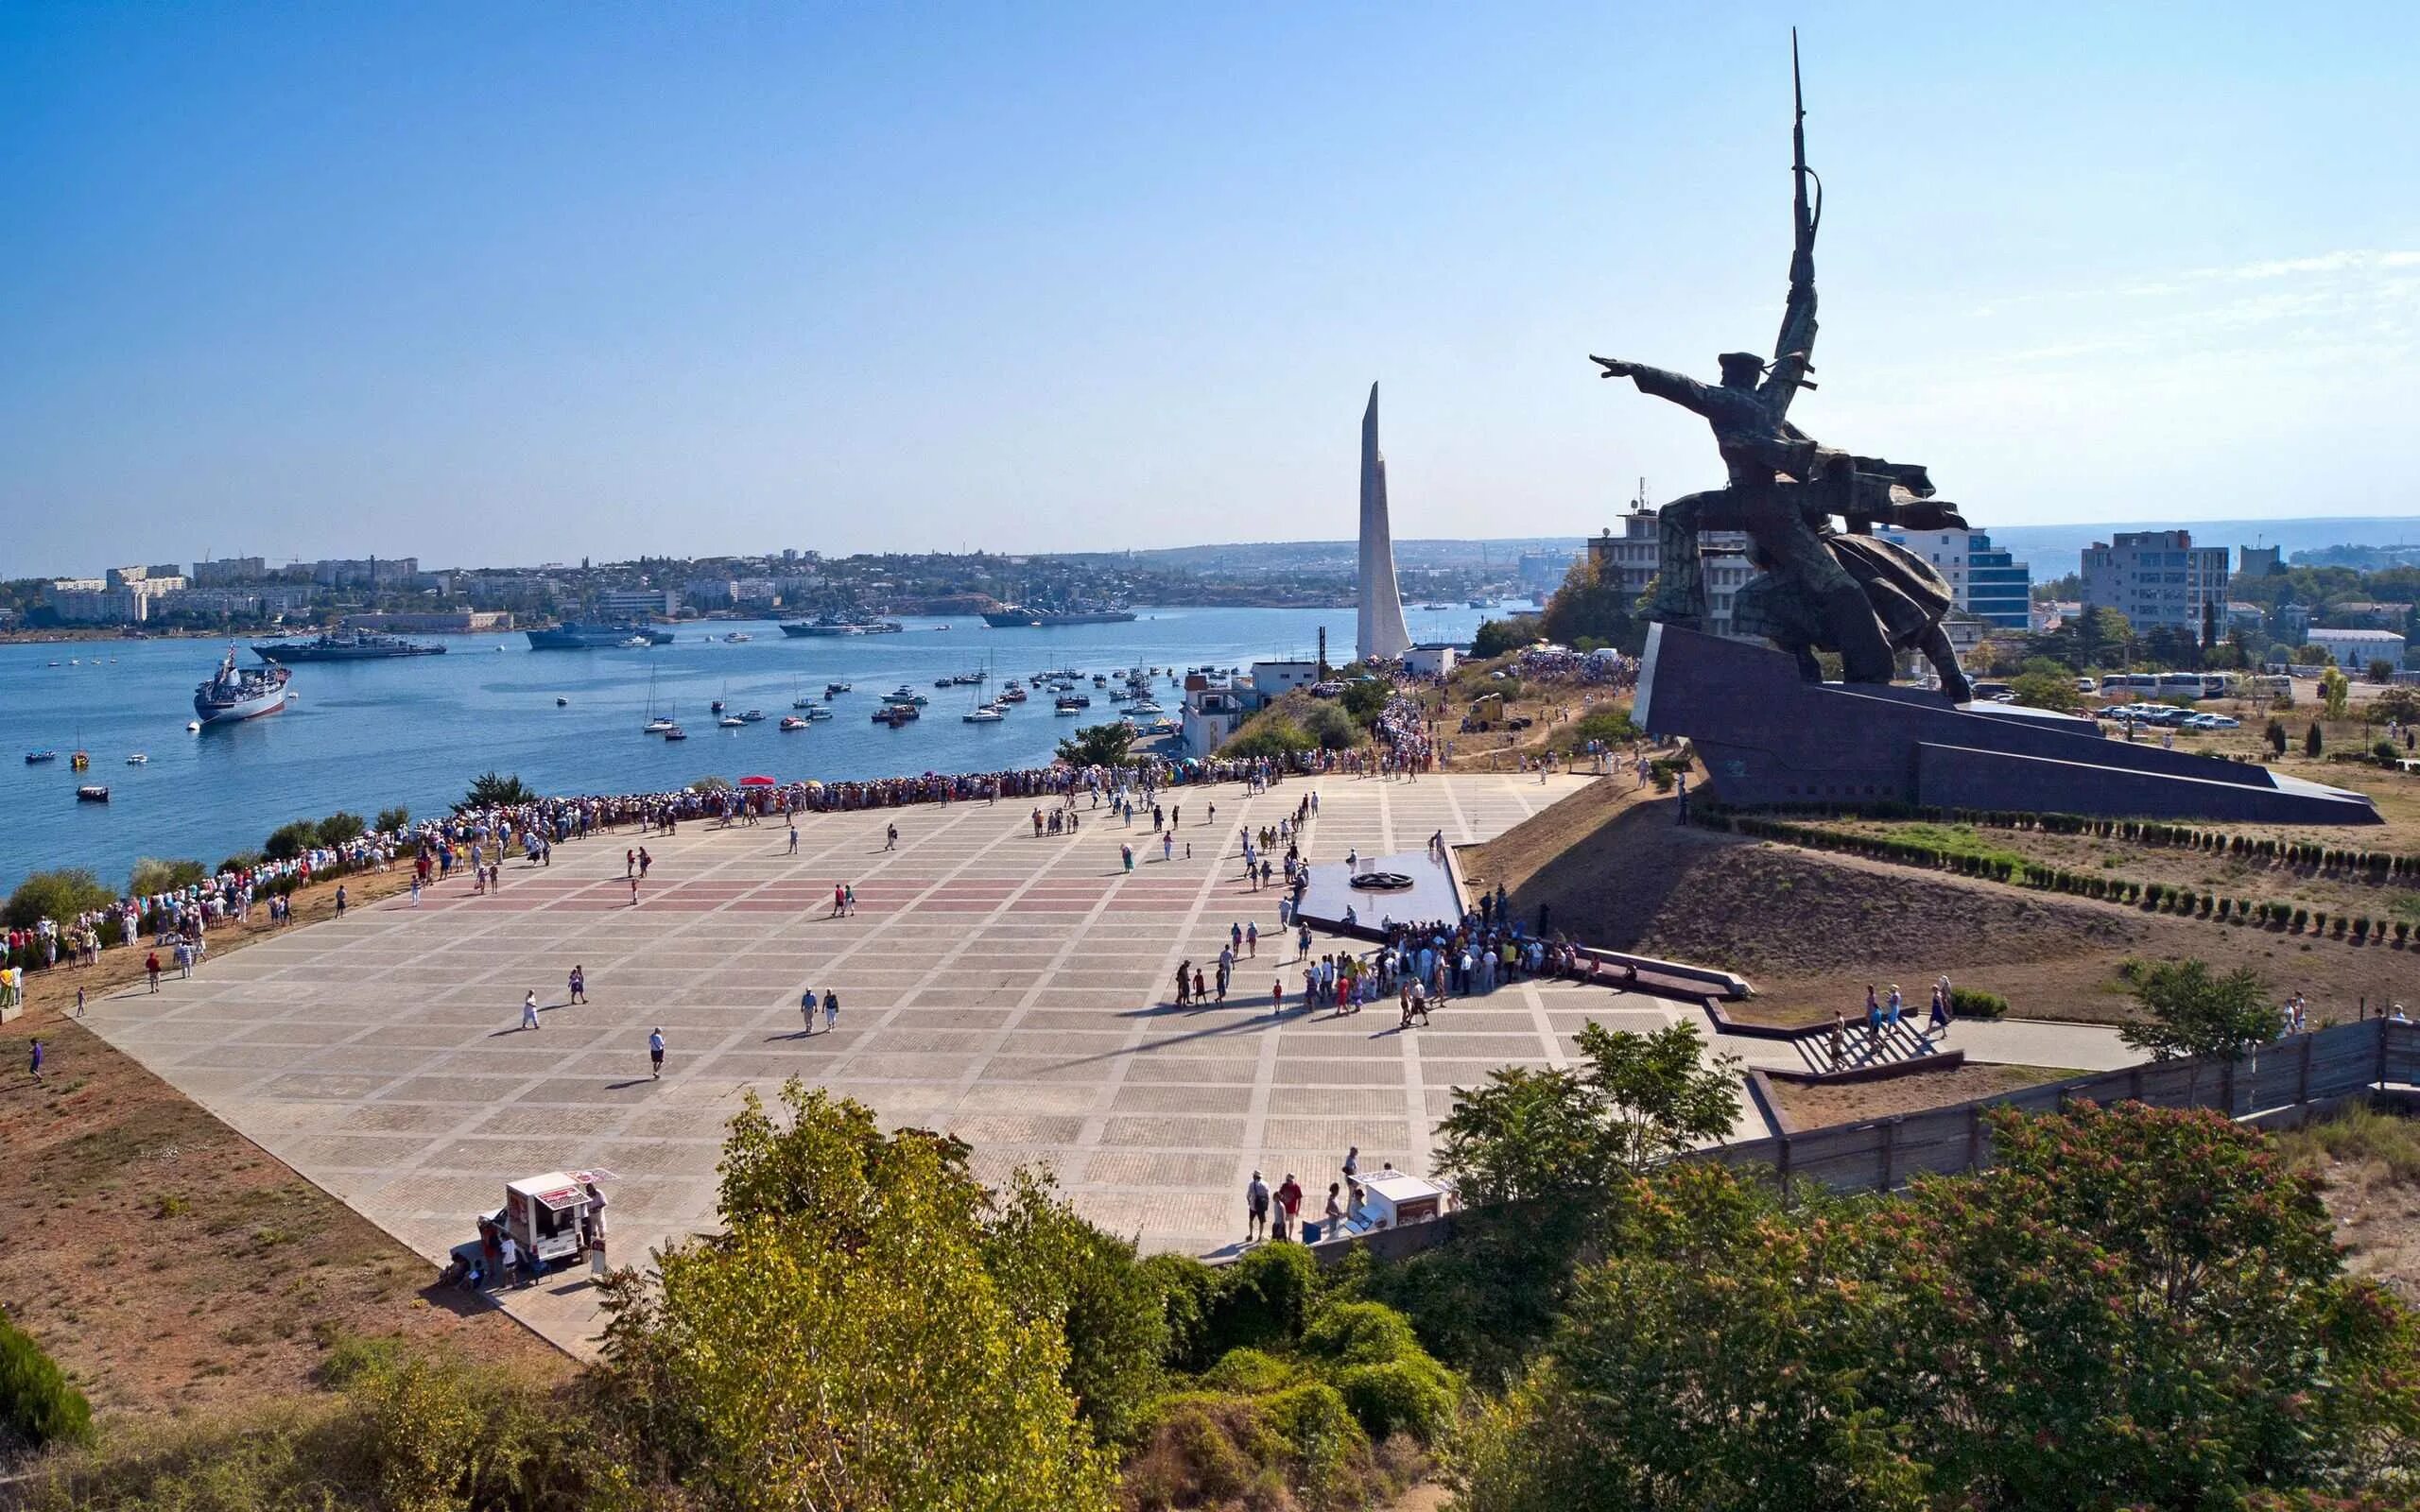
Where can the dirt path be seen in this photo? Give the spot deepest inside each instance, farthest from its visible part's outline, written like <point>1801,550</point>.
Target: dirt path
<point>167,1262</point>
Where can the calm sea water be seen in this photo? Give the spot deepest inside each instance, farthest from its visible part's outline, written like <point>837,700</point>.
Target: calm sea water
<point>415,730</point>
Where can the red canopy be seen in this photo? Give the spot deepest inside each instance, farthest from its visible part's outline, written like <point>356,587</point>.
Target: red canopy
<point>758,781</point>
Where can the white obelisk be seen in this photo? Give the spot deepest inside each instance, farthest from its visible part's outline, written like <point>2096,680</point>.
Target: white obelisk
<point>1379,633</point>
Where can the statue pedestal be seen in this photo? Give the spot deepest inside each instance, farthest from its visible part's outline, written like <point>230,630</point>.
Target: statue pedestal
<point>1769,738</point>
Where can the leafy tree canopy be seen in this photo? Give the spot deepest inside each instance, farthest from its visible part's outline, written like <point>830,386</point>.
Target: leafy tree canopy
<point>2187,1010</point>
<point>1106,745</point>
<point>492,790</point>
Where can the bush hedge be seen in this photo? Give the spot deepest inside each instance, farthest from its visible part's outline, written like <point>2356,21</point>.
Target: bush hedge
<point>37,1405</point>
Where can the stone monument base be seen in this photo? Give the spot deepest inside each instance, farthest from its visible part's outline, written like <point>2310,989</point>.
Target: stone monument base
<point>1771,738</point>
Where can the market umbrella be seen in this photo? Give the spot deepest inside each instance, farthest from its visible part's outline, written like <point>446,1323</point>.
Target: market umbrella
<point>758,781</point>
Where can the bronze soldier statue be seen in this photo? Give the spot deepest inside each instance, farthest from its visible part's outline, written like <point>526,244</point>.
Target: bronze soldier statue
<point>1851,593</point>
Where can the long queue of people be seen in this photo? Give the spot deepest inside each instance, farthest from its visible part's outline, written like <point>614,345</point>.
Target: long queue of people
<point>479,838</point>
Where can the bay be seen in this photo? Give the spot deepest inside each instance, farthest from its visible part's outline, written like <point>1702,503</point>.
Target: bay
<point>415,730</point>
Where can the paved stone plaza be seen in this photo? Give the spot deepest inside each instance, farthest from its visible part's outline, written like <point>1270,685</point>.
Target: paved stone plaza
<point>1013,990</point>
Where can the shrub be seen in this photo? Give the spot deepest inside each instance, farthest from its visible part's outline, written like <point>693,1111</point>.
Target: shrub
<point>1189,1296</point>
<point>1361,1333</point>
<point>1331,727</point>
<point>1316,1424</point>
<point>59,895</point>
<point>240,861</point>
<point>710,783</point>
<point>290,840</point>
<point>1969,1003</point>
<point>389,820</point>
<point>1264,1298</point>
<point>2312,743</point>
<point>1250,1372</point>
<point>339,827</point>
<point>151,874</point>
<point>37,1405</point>
<point>2302,917</point>
<point>1415,1396</point>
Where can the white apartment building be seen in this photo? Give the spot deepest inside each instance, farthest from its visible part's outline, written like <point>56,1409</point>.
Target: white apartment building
<point>2157,577</point>
<point>1632,559</point>
<point>627,603</point>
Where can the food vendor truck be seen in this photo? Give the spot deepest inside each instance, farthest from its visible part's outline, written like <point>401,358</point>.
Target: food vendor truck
<point>1392,1199</point>
<point>545,1213</point>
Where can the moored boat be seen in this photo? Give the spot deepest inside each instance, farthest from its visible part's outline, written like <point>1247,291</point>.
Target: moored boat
<point>240,693</point>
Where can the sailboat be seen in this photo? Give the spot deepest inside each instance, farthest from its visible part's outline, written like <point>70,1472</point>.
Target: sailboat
<point>656,723</point>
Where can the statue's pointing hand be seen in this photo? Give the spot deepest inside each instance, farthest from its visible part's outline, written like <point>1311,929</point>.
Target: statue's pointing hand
<point>1614,366</point>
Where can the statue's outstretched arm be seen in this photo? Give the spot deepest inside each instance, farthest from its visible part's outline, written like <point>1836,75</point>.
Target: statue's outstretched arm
<point>1678,387</point>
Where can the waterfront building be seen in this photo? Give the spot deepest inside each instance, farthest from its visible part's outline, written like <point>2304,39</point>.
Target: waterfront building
<point>448,621</point>
<point>1270,679</point>
<point>632,603</point>
<point>1379,633</point>
<point>1431,659</point>
<point>99,605</point>
<point>2157,578</point>
<point>1541,570</point>
<point>1211,711</point>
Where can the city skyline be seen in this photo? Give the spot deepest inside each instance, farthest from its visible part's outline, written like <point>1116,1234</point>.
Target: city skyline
<point>530,287</point>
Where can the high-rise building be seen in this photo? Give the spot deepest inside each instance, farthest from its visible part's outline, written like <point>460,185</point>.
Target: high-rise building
<point>2157,578</point>
<point>1379,633</point>
<point>1986,581</point>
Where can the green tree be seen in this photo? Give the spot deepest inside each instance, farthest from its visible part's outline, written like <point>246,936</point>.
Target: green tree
<point>1331,727</point>
<point>1555,1135</point>
<point>393,820</point>
<point>1052,1265</point>
<point>710,783</point>
<point>2189,1011</point>
<point>59,895</point>
<point>2277,737</point>
<point>1106,745</point>
<point>2382,670</point>
<point>2312,741</point>
<point>339,827</point>
<point>1366,701</point>
<point>2131,1308</point>
<point>2335,692</point>
<point>2042,690</point>
<point>1497,637</point>
<point>1271,735</point>
<point>491,790</point>
<point>153,874</point>
<point>843,1344</point>
<point>1591,607</point>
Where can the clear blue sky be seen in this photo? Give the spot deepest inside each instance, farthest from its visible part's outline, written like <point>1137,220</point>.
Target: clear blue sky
<point>524,282</point>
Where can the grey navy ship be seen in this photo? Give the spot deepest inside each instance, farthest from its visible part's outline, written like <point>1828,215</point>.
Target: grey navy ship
<point>240,693</point>
<point>345,645</point>
<point>574,635</point>
<point>1044,617</point>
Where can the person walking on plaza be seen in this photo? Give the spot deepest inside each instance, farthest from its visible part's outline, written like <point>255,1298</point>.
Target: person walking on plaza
<point>1938,1022</point>
<point>33,1066</point>
<point>634,892</point>
<point>151,969</point>
<point>1255,1208</point>
<point>793,836</point>
<point>1251,941</point>
<point>1289,1203</point>
<point>580,983</point>
<point>831,1009</point>
<point>839,901</point>
<point>1873,1015</point>
<point>848,900</point>
<point>415,889</point>
<point>807,1009</point>
<point>79,1002</point>
<point>655,1055</point>
<point>1277,998</point>
<point>890,838</point>
<point>529,1010</point>
<point>339,900</point>
<point>1125,857</point>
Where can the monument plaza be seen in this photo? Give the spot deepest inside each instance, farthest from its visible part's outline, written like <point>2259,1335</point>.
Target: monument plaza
<point>1015,992</point>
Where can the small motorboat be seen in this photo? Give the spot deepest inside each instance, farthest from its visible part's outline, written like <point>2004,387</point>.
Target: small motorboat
<point>138,759</point>
<point>93,793</point>
<point>736,637</point>
<point>562,702</point>
<point>944,683</point>
<point>35,758</point>
<point>753,716</point>
<point>818,712</point>
<point>675,733</point>
<point>831,688</point>
<point>731,721</point>
<point>801,703</point>
<point>1066,709</point>
<point>81,761</point>
<point>987,715</point>
<point>660,726</point>
<point>715,706</point>
<point>636,643</point>
<point>792,722</point>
